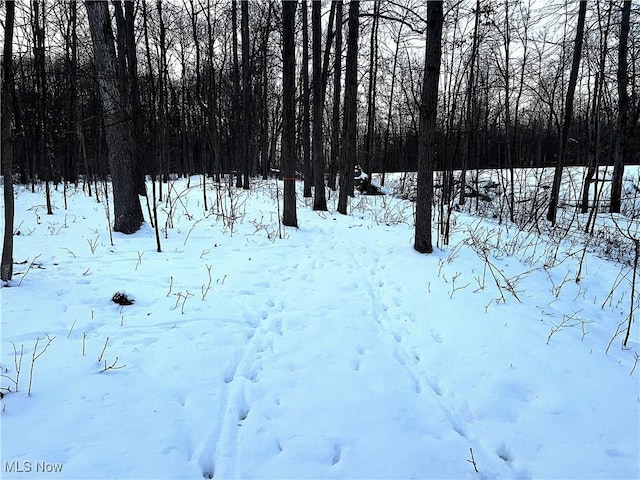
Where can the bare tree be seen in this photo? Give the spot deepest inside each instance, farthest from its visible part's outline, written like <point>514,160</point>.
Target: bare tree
<point>6,265</point>
<point>371,98</point>
<point>38,23</point>
<point>426,135</point>
<point>568,113</point>
<point>469,100</point>
<point>335,116</point>
<point>623,110</point>
<point>289,216</point>
<point>387,132</point>
<point>127,210</point>
<point>306,115</point>
<point>319,198</point>
<point>594,132</point>
<point>348,147</point>
<point>237,119</point>
<point>246,91</point>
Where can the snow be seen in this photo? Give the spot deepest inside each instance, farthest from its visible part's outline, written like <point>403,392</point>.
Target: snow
<point>329,351</point>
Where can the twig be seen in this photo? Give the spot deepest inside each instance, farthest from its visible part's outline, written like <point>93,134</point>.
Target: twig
<point>473,461</point>
<point>112,366</point>
<point>17,361</point>
<point>453,284</point>
<point>103,349</point>
<point>71,329</point>
<point>206,289</point>
<point>29,268</point>
<point>187,295</point>
<point>635,363</point>
<point>35,356</point>
<point>93,244</point>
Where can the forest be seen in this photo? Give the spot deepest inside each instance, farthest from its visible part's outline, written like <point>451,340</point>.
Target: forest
<point>197,87</point>
<point>320,239</point>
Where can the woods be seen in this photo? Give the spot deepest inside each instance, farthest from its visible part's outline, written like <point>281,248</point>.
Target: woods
<point>281,237</point>
<point>124,90</point>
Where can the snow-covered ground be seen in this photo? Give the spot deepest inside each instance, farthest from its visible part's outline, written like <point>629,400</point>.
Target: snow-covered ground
<point>329,351</point>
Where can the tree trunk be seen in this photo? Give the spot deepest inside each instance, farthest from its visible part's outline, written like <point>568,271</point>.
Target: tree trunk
<point>140,144</point>
<point>470,99</point>
<point>289,217</point>
<point>426,135</point>
<point>126,204</point>
<point>264,100</point>
<point>40,78</point>
<point>371,98</point>
<point>163,101</point>
<point>568,113</point>
<point>306,122</point>
<point>246,91</point>
<point>507,109</point>
<point>594,123</point>
<point>70,169</point>
<point>623,111</point>
<point>6,265</point>
<point>335,119</point>
<point>348,147</point>
<point>235,102</point>
<point>319,198</point>
<point>385,153</point>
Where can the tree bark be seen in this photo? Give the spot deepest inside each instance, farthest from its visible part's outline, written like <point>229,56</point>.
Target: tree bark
<point>348,147</point>
<point>237,161</point>
<point>335,119</point>
<point>623,111</point>
<point>306,116</point>
<point>126,204</point>
<point>246,91</point>
<point>319,198</point>
<point>390,110</point>
<point>264,99</point>
<point>6,265</point>
<point>568,113</point>
<point>427,131</point>
<point>289,217</point>
<point>140,144</point>
<point>40,77</point>
<point>594,134</point>
<point>470,99</point>
<point>371,98</point>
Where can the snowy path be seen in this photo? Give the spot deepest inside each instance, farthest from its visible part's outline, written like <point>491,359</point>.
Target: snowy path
<point>327,377</point>
<point>334,352</point>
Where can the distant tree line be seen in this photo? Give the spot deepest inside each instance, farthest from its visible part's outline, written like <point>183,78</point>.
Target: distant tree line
<point>200,87</point>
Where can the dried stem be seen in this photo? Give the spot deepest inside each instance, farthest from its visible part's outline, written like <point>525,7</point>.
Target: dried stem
<point>473,461</point>
<point>37,355</point>
<point>103,349</point>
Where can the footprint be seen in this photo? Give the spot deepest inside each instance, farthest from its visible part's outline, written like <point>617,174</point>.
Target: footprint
<point>243,413</point>
<point>416,358</point>
<point>435,336</point>
<point>229,376</point>
<point>399,358</point>
<point>337,453</point>
<point>356,365</point>
<point>417,386</point>
<point>503,452</point>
